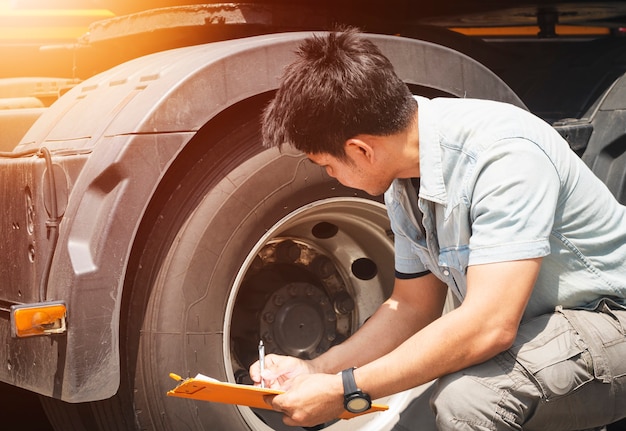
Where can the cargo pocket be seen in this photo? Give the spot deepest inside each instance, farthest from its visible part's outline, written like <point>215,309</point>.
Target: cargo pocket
<point>554,355</point>
<point>605,330</point>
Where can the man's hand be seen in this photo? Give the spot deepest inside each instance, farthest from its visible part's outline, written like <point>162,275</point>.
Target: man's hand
<point>311,399</point>
<point>279,370</point>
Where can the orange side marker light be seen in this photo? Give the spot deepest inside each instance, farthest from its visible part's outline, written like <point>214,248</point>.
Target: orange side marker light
<point>44,318</point>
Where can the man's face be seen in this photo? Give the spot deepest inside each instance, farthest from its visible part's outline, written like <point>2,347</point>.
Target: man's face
<point>356,173</point>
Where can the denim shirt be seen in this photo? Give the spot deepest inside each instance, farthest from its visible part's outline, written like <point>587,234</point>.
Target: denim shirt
<point>499,184</point>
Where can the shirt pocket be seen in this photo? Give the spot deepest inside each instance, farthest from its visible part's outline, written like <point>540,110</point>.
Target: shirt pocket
<point>453,236</point>
<point>453,268</point>
<point>455,258</point>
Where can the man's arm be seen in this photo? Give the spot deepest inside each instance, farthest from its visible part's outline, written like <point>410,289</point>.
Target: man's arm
<point>483,326</point>
<point>413,304</point>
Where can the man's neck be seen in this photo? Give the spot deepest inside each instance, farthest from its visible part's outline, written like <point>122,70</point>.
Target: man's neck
<point>408,157</point>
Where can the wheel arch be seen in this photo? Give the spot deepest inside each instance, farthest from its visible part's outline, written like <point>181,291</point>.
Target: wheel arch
<point>150,110</point>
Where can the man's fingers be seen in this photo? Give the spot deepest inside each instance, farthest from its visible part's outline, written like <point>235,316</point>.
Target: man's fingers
<point>274,401</point>
<point>269,400</point>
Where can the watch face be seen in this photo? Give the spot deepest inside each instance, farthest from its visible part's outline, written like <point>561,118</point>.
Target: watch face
<point>357,405</point>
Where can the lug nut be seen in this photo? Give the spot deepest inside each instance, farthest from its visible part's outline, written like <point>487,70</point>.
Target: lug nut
<point>279,300</point>
<point>294,290</point>
<point>288,251</point>
<point>323,266</point>
<point>343,303</point>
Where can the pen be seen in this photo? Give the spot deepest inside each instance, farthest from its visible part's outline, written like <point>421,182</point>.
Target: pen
<point>262,361</point>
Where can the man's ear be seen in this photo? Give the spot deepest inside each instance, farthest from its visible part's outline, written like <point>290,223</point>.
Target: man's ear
<point>359,150</point>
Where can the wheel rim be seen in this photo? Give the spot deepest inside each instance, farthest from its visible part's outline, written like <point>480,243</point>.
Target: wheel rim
<point>307,284</point>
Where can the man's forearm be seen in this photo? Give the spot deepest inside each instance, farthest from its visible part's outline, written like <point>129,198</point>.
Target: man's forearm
<point>450,344</point>
<point>413,305</point>
<point>371,341</point>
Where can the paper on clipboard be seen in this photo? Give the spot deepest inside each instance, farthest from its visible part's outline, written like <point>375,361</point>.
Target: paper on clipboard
<point>208,389</point>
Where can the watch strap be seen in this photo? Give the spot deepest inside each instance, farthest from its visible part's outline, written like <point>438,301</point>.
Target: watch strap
<point>349,384</point>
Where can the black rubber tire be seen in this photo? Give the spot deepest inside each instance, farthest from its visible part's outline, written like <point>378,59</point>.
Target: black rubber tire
<point>183,324</point>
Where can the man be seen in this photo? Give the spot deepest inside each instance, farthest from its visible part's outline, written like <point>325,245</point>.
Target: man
<point>503,214</point>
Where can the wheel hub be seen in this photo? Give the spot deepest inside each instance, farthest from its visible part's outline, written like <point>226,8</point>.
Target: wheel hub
<point>299,320</point>
<point>295,297</point>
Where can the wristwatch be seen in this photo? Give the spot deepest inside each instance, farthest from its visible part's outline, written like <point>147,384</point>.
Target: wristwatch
<point>354,400</point>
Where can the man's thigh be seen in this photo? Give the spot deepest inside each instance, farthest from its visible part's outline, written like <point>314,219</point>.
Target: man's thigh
<point>556,376</point>
<point>576,359</point>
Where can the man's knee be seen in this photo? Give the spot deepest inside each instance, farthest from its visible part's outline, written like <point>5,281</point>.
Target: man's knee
<point>461,403</point>
<point>478,398</point>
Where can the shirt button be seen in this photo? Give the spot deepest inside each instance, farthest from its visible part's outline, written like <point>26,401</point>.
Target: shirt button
<point>446,272</point>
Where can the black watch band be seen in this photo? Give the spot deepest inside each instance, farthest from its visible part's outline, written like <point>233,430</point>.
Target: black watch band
<point>349,384</point>
<point>354,400</point>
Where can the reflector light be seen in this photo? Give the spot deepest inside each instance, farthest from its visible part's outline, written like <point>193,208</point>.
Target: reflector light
<point>561,30</point>
<point>44,318</point>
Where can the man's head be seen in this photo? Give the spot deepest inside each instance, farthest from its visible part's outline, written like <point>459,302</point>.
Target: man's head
<point>339,87</point>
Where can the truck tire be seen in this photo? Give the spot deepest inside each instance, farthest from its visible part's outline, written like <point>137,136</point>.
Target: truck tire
<point>253,243</point>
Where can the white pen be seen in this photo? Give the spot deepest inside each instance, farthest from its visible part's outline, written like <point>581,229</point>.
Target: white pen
<point>262,361</point>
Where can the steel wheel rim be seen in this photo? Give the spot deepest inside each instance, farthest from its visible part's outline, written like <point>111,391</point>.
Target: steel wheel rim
<point>363,233</point>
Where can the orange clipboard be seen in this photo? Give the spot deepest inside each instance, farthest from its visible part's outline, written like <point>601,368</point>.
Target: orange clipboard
<point>206,389</point>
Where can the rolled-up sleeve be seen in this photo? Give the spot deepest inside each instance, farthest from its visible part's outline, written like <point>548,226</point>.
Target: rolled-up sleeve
<point>513,194</point>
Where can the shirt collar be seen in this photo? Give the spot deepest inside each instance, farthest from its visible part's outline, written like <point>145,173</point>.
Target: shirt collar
<point>432,186</point>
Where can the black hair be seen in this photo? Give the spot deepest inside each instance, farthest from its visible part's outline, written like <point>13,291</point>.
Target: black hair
<point>340,86</point>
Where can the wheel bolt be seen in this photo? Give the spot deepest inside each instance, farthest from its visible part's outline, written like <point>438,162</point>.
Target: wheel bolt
<point>294,290</point>
<point>343,303</point>
<point>323,266</point>
<point>279,300</point>
<point>288,251</point>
